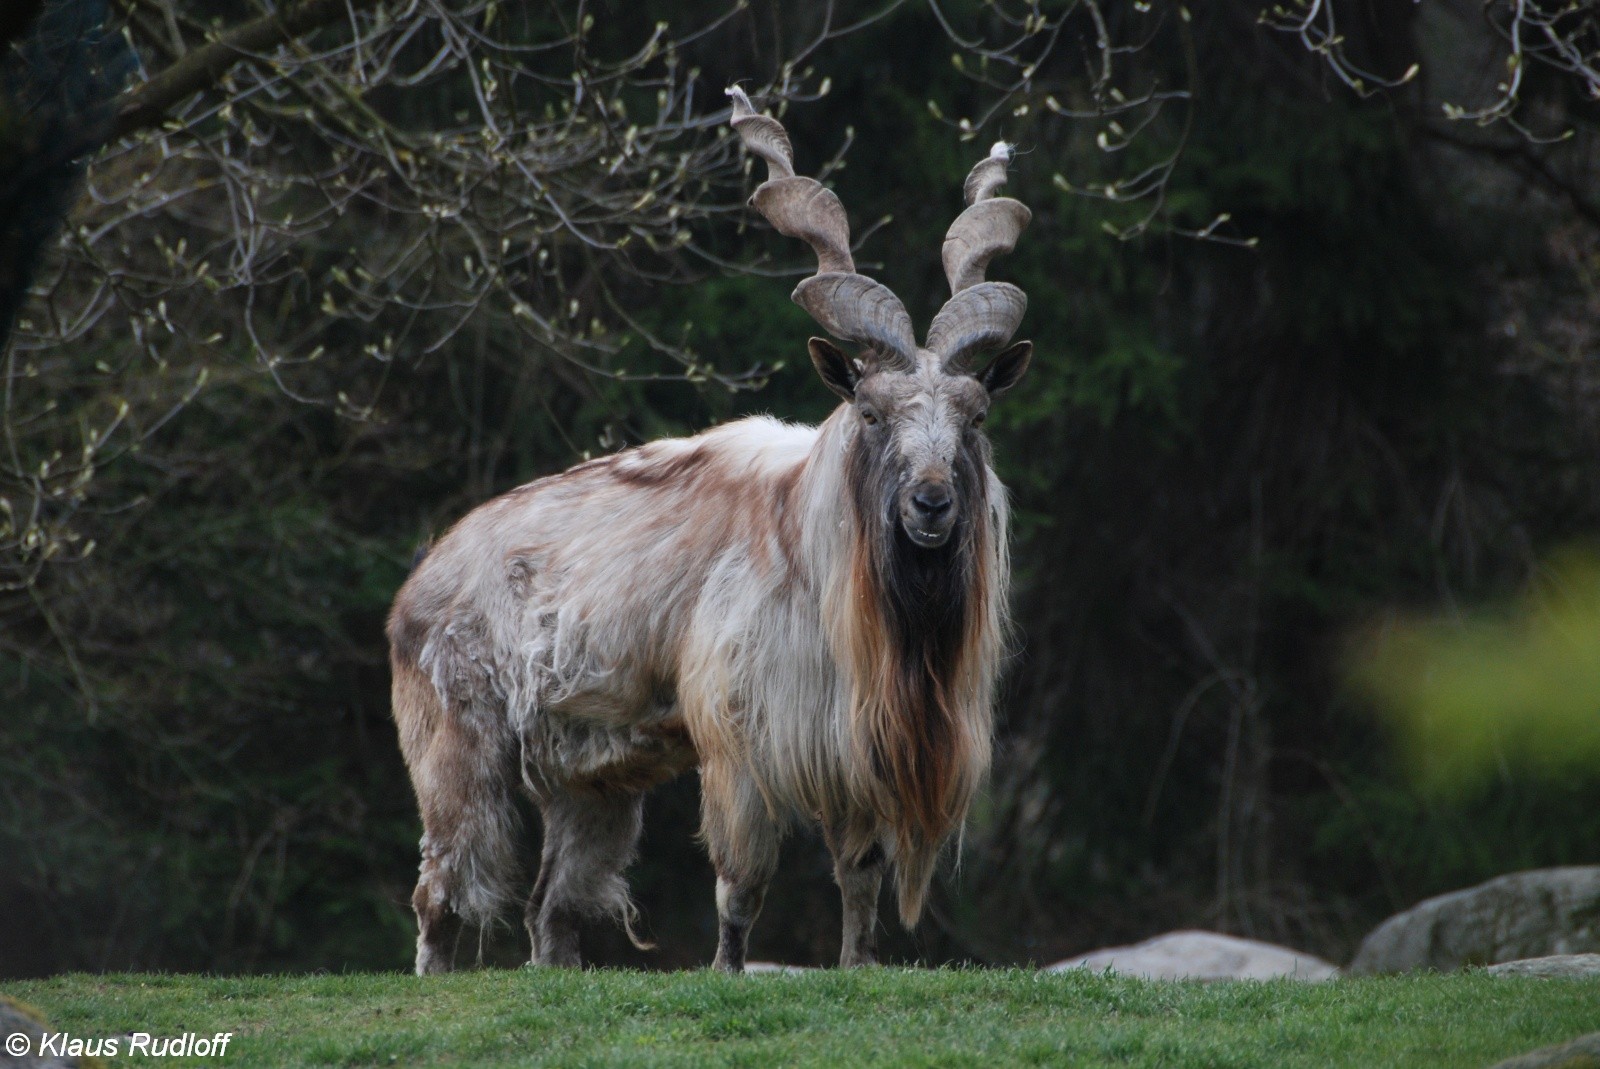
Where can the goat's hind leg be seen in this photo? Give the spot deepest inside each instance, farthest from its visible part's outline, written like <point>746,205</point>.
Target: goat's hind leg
<point>589,838</point>
<point>438,926</point>
<point>459,760</point>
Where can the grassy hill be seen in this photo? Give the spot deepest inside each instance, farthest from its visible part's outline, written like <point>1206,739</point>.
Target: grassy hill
<point>875,1017</point>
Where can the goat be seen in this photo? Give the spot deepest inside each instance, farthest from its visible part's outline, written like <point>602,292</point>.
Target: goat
<point>812,615</point>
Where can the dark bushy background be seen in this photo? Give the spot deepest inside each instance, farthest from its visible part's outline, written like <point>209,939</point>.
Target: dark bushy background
<point>1223,460</point>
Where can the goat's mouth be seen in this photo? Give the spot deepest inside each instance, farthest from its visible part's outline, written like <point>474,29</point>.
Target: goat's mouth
<point>930,536</point>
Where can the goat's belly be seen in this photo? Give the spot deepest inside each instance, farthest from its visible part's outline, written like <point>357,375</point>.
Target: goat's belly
<point>582,742</point>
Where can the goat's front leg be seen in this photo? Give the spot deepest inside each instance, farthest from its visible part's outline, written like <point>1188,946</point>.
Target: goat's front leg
<point>743,842</point>
<point>858,870</point>
<point>738,904</point>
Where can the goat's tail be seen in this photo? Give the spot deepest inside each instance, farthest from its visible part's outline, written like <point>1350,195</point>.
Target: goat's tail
<point>461,763</point>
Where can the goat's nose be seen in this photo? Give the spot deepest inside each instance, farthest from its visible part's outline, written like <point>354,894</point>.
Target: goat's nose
<point>931,499</point>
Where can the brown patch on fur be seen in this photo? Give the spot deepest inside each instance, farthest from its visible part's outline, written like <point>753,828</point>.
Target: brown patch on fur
<point>671,470</point>
<point>417,712</point>
<point>632,777</point>
<point>673,752</point>
<point>407,626</point>
<point>787,521</point>
<point>521,568</point>
<point>671,730</point>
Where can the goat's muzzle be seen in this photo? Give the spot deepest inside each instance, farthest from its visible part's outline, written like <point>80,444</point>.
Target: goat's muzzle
<point>928,514</point>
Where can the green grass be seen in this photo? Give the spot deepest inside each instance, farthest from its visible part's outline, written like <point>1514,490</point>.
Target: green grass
<point>978,1018</point>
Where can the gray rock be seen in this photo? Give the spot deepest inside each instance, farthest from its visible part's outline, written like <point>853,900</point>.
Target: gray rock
<point>1580,1053</point>
<point>1524,915</point>
<point>1554,967</point>
<point>19,1019</point>
<point>772,966</point>
<point>1203,956</point>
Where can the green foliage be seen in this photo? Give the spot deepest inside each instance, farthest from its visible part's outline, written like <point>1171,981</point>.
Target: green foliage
<point>864,1017</point>
<point>1519,687</point>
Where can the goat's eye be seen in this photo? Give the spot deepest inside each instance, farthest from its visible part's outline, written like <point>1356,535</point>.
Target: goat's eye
<point>869,417</point>
<point>977,421</point>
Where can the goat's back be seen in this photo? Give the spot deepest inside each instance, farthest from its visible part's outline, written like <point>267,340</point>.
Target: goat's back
<point>576,590</point>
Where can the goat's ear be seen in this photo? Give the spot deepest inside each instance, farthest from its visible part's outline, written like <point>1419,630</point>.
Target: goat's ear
<point>839,372</point>
<point>1004,370</point>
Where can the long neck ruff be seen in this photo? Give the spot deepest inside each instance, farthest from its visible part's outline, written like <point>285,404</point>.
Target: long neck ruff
<point>918,633</point>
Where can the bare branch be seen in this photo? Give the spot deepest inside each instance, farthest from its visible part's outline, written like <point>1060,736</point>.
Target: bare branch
<point>148,104</point>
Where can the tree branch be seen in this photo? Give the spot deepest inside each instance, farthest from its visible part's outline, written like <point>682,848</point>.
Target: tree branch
<point>147,105</point>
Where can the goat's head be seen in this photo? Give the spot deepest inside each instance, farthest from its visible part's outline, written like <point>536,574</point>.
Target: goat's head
<point>920,409</point>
